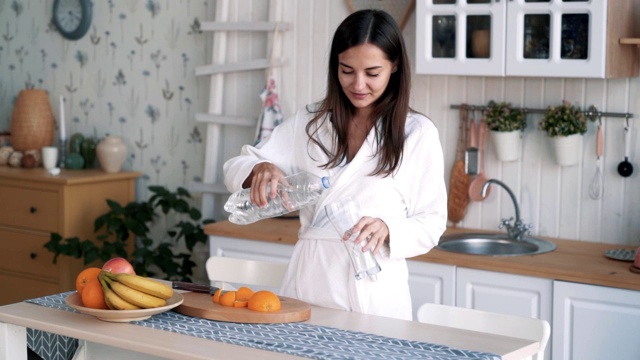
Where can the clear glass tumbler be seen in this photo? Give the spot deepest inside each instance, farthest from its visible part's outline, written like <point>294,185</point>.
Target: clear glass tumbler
<point>343,215</point>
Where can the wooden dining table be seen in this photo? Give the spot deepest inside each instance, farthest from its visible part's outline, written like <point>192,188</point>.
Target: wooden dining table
<point>114,340</point>
<point>128,340</point>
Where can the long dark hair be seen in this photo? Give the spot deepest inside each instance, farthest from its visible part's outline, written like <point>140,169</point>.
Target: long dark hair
<point>378,28</point>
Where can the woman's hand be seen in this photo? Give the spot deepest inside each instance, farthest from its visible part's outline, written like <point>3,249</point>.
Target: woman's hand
<point>262,175</point>
<point>373,231</point>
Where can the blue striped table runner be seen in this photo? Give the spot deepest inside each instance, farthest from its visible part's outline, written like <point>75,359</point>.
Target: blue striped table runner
<point>299,339</point>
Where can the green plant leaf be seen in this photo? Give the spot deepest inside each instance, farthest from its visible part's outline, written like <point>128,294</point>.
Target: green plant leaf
<point>114,228</point>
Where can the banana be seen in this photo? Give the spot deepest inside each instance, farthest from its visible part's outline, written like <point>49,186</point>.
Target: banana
<point>112,299</point>
<point>144,284</point>
<point>136,297</point>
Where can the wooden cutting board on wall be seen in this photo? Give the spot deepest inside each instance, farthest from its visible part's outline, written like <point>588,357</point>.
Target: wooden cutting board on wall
<point>201,305</point>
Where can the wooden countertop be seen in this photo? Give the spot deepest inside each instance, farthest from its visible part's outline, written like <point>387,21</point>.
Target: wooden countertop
<point>576,261</point>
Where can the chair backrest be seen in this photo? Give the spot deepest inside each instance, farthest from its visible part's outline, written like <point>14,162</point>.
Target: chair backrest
<point>489,322</point>
<point>246,272</point>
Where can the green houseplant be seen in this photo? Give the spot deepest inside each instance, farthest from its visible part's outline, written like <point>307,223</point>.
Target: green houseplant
<point>564,124</point>
<point>502,117</point>
<point>563,120</point>
<point>505,124</point>
<point>116,227</point>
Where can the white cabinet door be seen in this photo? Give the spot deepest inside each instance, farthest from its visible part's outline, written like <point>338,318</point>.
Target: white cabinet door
<point>460,37</point>
<point>595,322</point>
<point>506,294</point>
<point>249,249</point>
<point>550,38</point>
<point>431,283</point>
<point>557,39</point>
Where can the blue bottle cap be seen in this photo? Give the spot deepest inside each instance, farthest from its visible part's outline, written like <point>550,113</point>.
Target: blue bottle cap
<point>326,182</point>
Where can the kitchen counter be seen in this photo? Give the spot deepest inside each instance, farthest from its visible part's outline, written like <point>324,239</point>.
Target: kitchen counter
<point>576,261</point>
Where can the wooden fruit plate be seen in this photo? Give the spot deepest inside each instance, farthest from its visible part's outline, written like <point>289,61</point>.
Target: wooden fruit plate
<point>201,305</point>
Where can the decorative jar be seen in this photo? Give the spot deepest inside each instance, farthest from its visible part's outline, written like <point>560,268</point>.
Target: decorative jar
<point>112,153</point>
<point>32,122</point>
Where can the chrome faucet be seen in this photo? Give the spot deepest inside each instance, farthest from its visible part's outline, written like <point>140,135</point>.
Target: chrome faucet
<point>518,228</point>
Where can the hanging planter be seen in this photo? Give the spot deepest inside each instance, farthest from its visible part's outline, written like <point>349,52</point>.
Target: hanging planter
<point>567,149</point>
<point>505,125</point>
<point>565,124</point>
<point>507,145</point>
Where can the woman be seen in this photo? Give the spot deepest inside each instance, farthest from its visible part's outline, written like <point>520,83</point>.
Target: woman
<point>364,136</point>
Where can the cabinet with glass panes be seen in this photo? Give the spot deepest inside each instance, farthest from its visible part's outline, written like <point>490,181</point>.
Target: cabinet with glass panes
<point>544,38</point>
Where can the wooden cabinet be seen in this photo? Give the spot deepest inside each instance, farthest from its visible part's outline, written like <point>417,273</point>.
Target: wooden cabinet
<point>595,322</point>
<point>34,204</point>
<point>548,38</point>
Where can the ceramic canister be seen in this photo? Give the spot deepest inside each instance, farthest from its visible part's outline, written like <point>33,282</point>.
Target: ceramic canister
<point>112,153</point>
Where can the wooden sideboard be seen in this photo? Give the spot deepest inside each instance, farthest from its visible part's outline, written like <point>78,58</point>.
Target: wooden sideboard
<point>34,204</point>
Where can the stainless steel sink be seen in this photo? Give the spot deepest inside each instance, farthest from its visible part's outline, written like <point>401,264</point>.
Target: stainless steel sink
<point>492,244</point>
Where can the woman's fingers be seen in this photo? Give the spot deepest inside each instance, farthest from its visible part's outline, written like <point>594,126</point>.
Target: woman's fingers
<point>264,174</point>
<point>373,231</point>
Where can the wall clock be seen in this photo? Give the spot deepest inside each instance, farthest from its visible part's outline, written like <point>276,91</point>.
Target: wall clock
<point>72,18</point>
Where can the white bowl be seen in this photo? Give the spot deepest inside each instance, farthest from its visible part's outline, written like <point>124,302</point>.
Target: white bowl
<point>75,302</point>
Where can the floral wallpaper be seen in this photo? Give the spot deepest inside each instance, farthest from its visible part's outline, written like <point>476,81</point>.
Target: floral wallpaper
<point>131,75</point>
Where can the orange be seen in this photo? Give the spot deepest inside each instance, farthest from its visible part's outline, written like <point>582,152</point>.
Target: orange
<point>228,298</point>
<point>92,295</point>
<point>84,276</point>
<point>244,293</point>
<point>240,303</point>
<point>216,296</point>
<point>265,301</point>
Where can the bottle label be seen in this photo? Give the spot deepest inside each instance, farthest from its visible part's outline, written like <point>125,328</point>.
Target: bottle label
<point>326,182</point>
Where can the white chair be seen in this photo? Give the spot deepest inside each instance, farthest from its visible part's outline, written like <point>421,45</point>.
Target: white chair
<point>488,322</point>
<point>263,274</point>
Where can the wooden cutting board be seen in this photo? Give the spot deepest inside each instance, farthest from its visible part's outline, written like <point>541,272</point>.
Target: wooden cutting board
<point>201,305</point>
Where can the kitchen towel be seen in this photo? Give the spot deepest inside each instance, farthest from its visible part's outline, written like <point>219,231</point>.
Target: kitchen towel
<point>271,115</point>
<point>299,339</point>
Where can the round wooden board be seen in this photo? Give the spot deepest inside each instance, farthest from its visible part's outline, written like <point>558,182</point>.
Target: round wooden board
<point>201,305</point>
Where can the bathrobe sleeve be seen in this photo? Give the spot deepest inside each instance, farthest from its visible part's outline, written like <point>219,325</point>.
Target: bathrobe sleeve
<point>422,186</point>
<point>275,149</point>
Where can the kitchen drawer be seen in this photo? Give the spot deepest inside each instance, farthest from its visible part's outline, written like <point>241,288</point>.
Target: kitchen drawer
<point>24,253</point>
<point>29,208</point>
<point>16,289</point>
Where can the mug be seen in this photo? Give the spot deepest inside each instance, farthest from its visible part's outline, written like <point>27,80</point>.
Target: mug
<point>50,157</point>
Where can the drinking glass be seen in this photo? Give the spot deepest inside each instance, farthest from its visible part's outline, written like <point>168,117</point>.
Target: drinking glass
<point>343,215</point>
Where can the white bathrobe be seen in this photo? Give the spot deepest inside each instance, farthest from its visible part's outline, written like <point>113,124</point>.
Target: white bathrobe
<point>412,202</point>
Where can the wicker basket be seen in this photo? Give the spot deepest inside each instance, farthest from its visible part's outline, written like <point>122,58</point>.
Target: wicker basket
<point>32,122</point>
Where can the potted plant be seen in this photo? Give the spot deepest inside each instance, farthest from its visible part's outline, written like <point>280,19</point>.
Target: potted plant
<point>564,124</point>
<point>115,227</point>
<point>505,124</point>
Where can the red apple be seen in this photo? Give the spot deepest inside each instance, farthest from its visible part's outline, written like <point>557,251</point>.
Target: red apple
<point>118,265</point>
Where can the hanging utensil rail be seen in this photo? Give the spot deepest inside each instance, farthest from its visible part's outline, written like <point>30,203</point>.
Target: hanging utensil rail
<point>592,113</point>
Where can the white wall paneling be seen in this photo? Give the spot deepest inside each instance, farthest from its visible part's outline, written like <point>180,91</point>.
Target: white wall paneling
<point>554,199</point>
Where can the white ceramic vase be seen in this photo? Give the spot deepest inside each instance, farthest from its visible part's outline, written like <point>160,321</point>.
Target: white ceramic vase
<point>566,149</point>
<point>507,144</point>
<point>112,153</point>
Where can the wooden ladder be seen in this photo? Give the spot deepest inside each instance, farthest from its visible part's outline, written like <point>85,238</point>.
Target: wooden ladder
<point>215,118</point>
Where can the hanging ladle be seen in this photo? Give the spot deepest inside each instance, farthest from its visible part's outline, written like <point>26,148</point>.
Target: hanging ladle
<point>625,169</point>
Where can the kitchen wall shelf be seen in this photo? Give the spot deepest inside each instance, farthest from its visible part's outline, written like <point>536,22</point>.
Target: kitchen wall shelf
<point>591,113</point>
<point>630,41</point>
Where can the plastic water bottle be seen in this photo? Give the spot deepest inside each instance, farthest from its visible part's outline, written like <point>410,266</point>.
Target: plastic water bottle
<point>294,192</point>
